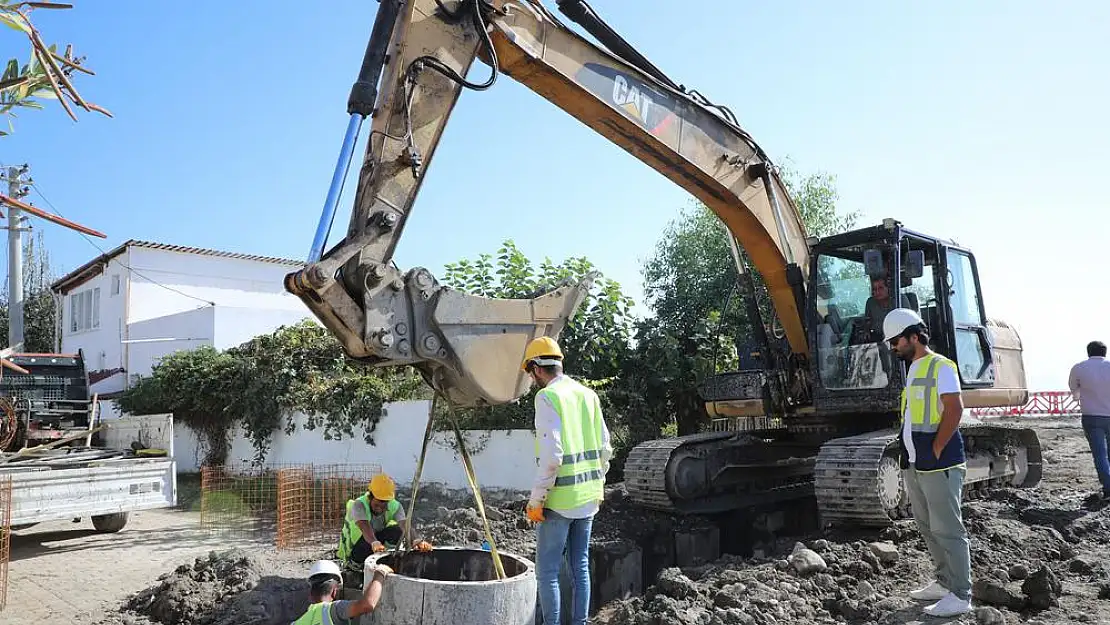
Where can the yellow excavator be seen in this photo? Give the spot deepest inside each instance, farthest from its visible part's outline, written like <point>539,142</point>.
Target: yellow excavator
<point>815,414</point>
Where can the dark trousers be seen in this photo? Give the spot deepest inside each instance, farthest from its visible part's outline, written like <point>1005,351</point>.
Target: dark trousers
<point>362,550</point>
<point>1097,429</point>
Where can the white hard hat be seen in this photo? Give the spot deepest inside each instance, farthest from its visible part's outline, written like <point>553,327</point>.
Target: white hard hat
<point>898,320</point>
<point>325,567</point>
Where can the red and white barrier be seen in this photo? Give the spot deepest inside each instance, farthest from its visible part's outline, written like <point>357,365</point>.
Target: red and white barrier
<point>1040,404</point>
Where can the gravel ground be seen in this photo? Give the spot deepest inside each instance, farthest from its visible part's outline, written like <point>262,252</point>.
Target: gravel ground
<point>1039,556</point>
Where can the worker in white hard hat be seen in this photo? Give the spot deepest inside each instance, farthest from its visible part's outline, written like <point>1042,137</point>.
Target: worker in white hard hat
<point>572,458</point>
<point>933,461</point>
<point>374,522</point>
<point>324,581</point>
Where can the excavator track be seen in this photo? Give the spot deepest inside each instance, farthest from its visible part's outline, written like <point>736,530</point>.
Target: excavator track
<point>715,472</point>
<point>857,479</point>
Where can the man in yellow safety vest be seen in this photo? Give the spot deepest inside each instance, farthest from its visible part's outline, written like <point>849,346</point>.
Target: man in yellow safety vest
<point>374,521</point>
<point>324,580</point>
<point>933,459</point>
<point>572,458</point>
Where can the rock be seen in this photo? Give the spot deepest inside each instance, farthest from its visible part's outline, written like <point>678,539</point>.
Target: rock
<point>820,545</point>
<point>782,565</point>
<point>1042,588</point>
<point>893,604</point>
<point>673,583</point>
<point>852,610</point>
<point>870,558</point>
<point>865,591</point>
<point>806,561</point>
<point>860,570</point>
<point>996,593</point>
<point>1067,552</point>
<point>987,615</point>
<point>887,553</point>
<point>1104,591</point>
<point>730,596</point>
<point>728,577</point>
<point>1081,566</point>
<point>494,514</point>
<point>1018,572</point>
<point>825,581</point>
<point>1002,575</point>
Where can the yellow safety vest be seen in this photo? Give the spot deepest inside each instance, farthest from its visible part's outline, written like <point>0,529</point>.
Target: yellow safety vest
<point>351,532</point>
<point>581,478</point>
<point>922,396</point>
<point>317,614</point>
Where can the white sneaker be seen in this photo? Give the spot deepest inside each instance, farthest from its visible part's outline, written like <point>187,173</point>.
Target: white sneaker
<point>950,605</point>
<point>932,592</point>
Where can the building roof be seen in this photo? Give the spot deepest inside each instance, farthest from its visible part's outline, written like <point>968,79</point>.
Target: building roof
<point>96,266</point>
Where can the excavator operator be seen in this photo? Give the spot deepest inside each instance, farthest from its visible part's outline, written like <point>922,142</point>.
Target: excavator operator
<point>373,522</point>
<point>880,303</point>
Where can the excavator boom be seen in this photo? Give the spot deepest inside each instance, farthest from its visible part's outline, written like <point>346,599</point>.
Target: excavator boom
<point>470,347</point>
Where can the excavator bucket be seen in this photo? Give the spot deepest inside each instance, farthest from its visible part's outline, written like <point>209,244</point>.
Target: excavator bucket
<point>486,338</point>
<point>467,347</point>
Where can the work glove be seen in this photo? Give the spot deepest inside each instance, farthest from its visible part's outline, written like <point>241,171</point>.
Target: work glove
<point>423,545</point>
<point>377,547</point>
<point>383,570</point>
<point>535,512</point>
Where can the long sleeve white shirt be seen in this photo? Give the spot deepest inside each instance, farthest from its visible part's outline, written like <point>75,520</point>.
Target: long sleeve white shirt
<point>549,429</point>
<point>1089,381</point>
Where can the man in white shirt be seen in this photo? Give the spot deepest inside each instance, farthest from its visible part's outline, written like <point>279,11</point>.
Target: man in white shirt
<point>934,461</point>
<point>1090,384</point>
<point>573,450</point>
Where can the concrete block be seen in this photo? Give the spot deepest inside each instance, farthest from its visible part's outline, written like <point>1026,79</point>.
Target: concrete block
<point>617,572</point>
<point>696,547</point>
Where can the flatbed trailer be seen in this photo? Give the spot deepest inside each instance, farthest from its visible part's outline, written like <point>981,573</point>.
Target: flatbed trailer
<point>134,471</point>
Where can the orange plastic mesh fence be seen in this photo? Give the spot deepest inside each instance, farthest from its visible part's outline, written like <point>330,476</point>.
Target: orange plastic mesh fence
<point>299,507</point>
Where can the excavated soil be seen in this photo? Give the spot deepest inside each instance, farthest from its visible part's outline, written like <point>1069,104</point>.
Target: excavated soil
<point>1039,556</point>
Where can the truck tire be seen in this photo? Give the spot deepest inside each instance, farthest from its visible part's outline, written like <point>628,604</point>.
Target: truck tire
<point>109,523</point>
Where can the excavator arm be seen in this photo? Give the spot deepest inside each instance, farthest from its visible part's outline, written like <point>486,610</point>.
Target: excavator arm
<point>470,347</point>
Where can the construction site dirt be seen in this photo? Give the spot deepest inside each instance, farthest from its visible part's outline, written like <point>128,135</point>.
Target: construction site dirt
<point>1039,556</point>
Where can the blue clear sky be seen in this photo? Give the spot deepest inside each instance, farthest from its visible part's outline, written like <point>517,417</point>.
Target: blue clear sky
<point>982,122</point>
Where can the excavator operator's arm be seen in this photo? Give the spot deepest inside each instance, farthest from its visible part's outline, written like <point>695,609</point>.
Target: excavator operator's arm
<point>470,347</point>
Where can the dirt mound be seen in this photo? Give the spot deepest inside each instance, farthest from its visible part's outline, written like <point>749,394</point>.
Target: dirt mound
<point>1038,556</point>
<point>224,588</point>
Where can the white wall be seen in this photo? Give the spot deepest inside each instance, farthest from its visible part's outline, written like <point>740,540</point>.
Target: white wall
<point>231,282</point>
<point>506,458</point>
<point>198,326</point>
<point>235,326</point>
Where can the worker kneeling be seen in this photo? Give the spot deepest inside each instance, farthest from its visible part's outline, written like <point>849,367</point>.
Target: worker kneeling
<point>375,521</point>
<point>324,579</point>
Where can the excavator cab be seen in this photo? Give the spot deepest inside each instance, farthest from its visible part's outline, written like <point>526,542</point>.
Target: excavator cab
<point>858,277</point>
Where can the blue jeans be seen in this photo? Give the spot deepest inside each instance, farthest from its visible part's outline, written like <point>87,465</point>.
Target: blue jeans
<point>1097,430</point>
<point>557,537</point>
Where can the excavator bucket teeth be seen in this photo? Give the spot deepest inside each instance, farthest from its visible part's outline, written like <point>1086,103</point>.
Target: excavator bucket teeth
<point>486,338</point>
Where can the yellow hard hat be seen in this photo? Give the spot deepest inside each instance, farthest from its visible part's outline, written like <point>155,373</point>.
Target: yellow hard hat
<point>541,347</point>
<point>381,487</point>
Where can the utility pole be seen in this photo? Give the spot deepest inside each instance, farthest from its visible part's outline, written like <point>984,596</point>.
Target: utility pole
<point>16,190</point>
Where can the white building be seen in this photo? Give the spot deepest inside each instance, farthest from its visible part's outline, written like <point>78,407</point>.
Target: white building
<point>141,301</point>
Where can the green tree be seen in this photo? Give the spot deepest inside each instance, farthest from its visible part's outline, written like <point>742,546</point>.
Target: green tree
<point>39,304</point>
<point>46,75</point>
<point>699,324</point>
